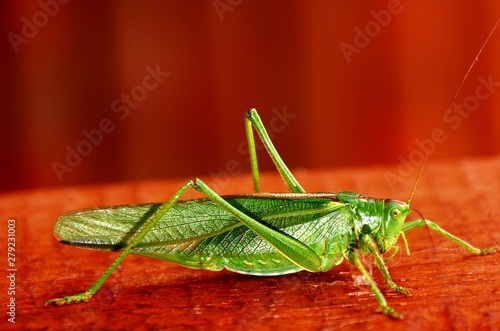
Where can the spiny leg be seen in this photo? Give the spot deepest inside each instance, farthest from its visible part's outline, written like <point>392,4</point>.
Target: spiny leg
<point>253,119</point>
<point>408,226</point>
<point>354,260</point>
<point>379,262</point>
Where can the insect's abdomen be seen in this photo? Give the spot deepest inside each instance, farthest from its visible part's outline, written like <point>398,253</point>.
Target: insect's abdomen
<point>260,264</point>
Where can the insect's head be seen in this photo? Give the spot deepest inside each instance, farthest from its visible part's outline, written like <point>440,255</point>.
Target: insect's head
<point>395,213</point>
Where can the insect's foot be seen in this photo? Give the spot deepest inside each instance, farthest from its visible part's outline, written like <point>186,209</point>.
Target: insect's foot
<point>57,301</point>
<point>483,251</point>
<point>397,288</point>
<point>403,290</point>
<point>77,298</point>
<point>391,312</point>
<point>491,250</point>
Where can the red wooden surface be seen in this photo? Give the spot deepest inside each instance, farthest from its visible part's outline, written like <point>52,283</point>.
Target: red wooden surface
<point>451,290</point>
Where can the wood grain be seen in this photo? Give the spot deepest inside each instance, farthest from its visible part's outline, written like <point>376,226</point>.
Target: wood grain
<point>451,290</point>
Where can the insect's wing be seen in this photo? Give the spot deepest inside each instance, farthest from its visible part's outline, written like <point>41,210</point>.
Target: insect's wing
<point>199,230</point>
<point>111,228</point>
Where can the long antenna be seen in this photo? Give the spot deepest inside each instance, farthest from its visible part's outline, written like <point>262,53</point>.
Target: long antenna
<point>476,59</point>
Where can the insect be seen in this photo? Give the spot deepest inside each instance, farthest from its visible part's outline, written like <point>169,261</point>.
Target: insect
<point>256,234</point>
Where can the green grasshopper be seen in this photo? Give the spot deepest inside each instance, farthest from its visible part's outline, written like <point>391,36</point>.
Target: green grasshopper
<point>255,234</point>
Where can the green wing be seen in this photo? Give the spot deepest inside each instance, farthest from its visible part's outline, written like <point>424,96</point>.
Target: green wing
<point>199,234</point>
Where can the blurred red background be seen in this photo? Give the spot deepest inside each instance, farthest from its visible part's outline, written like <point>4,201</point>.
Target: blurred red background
<point>356,98</point>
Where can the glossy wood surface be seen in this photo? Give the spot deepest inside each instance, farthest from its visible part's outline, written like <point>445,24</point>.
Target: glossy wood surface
<point>451,289</point>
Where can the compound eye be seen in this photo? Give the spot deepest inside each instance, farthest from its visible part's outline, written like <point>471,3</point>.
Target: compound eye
<point>395,213</point>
